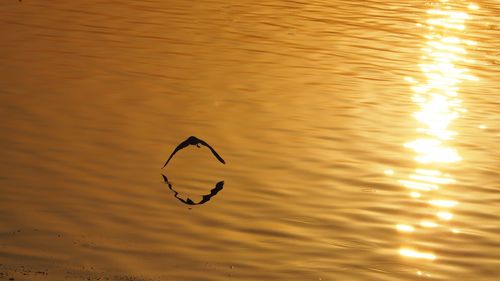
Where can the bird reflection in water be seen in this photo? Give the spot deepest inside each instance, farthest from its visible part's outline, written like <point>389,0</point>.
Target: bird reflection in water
<point>437,97</point>
<point>204,198</point>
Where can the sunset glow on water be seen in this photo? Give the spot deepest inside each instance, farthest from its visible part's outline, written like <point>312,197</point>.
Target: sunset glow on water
<point>438,98</point>
<point>249,140</point>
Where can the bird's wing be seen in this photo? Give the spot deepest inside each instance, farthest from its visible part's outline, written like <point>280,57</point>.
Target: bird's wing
<point>218,187</point>
<point>165,179</point>
<point>213,152</point>
<point>179,147</point>
<point>176,194</point>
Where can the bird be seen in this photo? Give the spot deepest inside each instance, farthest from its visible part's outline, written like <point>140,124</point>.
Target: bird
<point>194,141</point>
<point>204,198</point>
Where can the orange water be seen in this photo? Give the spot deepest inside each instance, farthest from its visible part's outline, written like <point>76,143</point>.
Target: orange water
<point>306,101</point>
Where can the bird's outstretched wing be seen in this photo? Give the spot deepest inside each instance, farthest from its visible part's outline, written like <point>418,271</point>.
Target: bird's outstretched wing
<point>213,151</point>
<point>179,147</point>
<point>176,194</point>
<point>218,187</point>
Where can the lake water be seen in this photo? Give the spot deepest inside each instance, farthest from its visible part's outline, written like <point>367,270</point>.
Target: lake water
<point>360,140</point>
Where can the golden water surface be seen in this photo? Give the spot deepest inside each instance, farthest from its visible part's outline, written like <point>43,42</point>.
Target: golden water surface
<point>360,140</point>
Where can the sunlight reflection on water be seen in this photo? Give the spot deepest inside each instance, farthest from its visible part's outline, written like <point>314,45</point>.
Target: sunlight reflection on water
<point>442,67</point>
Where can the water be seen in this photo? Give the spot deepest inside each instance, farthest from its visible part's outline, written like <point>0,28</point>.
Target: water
<point>306,102</point>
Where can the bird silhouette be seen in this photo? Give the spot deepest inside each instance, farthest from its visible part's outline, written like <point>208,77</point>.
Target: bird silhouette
<point>205,198</point>
<point>193,141</point>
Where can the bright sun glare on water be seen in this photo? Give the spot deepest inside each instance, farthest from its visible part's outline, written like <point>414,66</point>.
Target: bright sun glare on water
<point>437,97</point>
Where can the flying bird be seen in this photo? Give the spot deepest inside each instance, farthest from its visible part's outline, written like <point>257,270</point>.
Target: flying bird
<point>194,141</point>
<point>205,198</point>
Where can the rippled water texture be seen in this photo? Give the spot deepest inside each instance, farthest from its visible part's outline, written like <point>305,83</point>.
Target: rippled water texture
<point>360,140</point>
